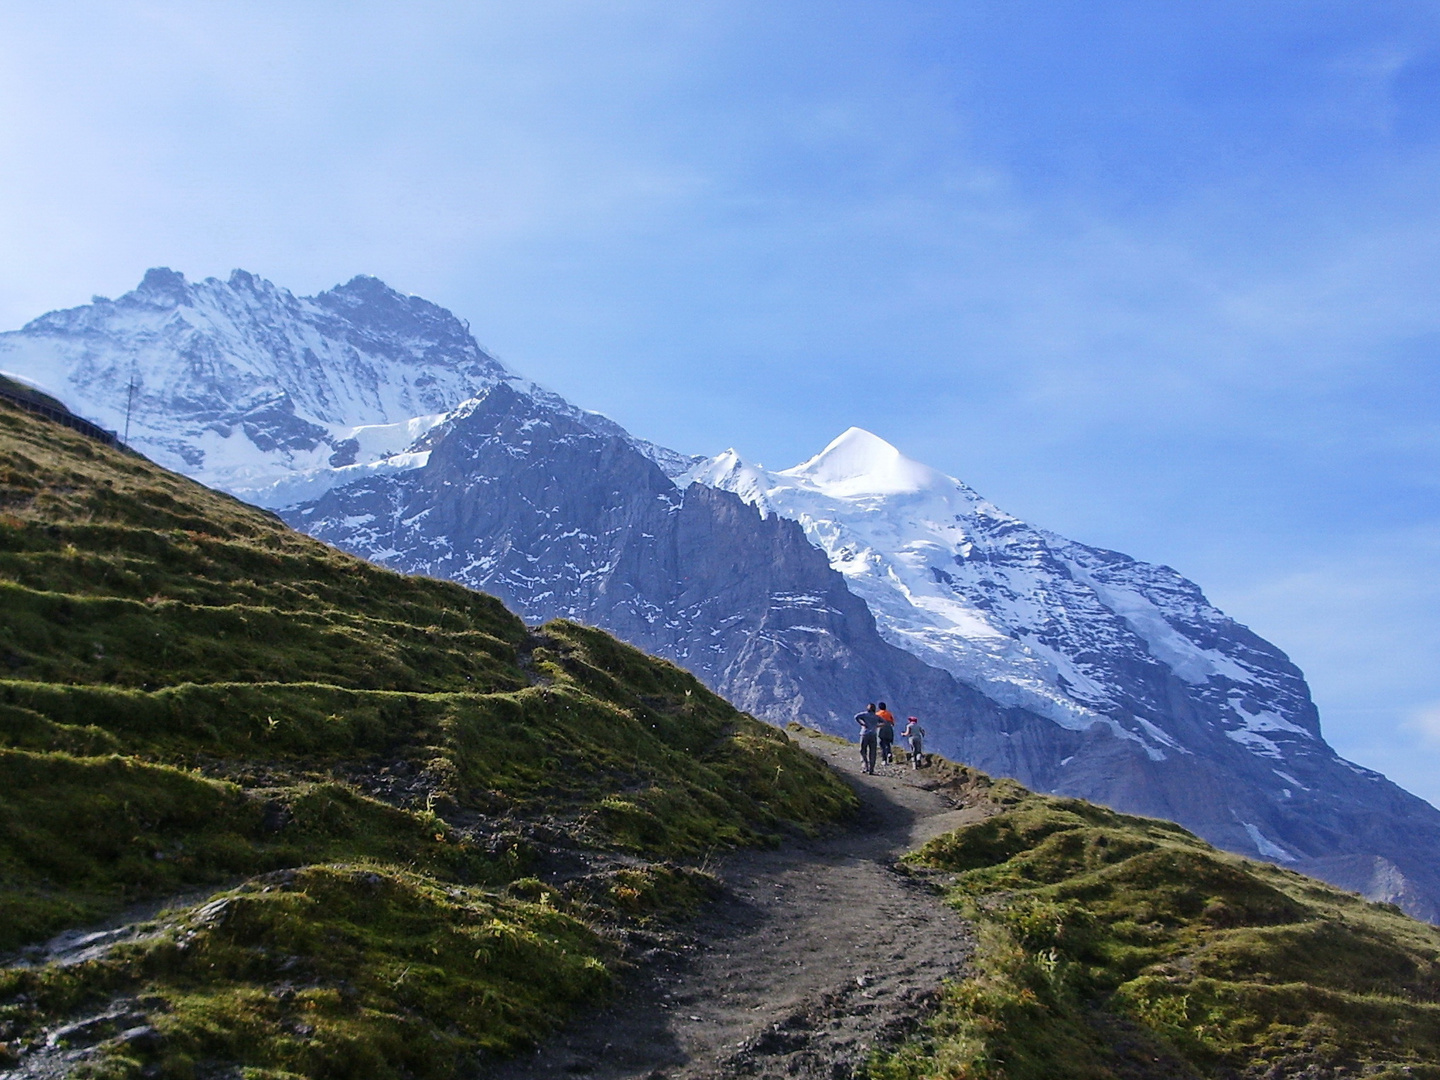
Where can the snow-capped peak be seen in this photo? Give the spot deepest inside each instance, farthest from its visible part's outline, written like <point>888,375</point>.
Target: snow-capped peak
<point>859,462</point>
<point>241,384</point>
<point>272,397</point>
<point>732,473</point>
<point>1075,634</point>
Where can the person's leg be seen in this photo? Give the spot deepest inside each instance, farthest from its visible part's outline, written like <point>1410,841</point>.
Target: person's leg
<point>867,752</point>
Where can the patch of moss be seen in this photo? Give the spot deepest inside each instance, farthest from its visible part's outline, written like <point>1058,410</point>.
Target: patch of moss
<point>339,971</point>
<point>82,837</point>
<point>1115,946</point>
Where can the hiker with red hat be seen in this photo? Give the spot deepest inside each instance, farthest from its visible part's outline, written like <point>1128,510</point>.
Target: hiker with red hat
<point>916,734</point>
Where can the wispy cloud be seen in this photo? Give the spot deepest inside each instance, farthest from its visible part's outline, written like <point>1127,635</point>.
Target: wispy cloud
<point>1425,722</point>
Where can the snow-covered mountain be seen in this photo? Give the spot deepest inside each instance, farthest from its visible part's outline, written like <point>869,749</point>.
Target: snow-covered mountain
<point>1209,724</point>
<point>373,420</point>
<point>1075,634</point>
<point>261,393</point>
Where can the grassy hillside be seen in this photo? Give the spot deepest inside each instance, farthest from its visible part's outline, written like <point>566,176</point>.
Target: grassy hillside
<point>406,830</point>
<point>1115,947</point>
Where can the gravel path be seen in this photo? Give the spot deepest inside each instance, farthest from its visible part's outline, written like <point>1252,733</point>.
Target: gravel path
<point>815,953</point>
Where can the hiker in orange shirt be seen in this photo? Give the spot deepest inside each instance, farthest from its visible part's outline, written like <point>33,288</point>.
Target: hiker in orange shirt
<point>887,734</point>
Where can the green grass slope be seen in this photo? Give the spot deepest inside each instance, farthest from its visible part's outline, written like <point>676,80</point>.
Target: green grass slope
<point>358,779</point>
<point>1118,947</point>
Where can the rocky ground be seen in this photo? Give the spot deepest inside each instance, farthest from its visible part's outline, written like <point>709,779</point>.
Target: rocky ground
<point>814,954</point>
<point>811,955</point>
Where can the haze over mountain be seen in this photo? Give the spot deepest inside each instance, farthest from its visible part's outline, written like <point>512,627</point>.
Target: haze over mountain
<point>374,421</point>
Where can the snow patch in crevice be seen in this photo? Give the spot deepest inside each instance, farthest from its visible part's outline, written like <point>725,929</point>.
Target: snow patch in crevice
<point>305,487</point>
<point>1267,848</point>
<point>1289,779</point>
<point>1258,719</point>
<point>1255,743</point>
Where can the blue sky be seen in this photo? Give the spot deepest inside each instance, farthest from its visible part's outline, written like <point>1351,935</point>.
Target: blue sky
<point>1160,276</point>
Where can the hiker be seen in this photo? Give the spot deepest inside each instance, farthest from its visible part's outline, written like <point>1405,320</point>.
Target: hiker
<point>887,734</point>
<point>869,724</point>
<point>916,734</point>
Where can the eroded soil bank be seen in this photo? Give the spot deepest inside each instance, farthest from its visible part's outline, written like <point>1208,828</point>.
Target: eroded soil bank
<point>813,954</point>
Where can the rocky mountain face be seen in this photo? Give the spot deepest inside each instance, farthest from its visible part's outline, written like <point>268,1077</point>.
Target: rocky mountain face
<point>560,520</point>
<point>1074,633</point>
<point>798,595</point>
<point>1089,640</point>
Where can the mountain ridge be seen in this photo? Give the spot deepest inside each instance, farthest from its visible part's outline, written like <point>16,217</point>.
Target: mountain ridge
<point>261,393</point>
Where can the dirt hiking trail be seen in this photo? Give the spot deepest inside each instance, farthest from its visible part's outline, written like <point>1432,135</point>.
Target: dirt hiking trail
<point>814,954</point>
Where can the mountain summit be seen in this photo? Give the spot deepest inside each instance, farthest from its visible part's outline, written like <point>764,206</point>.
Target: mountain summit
<point>251,389</point>
<point>859,463</point>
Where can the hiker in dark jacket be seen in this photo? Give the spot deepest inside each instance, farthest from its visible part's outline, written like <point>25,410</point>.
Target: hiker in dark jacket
<point>887,734</point>
<point>869,728</point>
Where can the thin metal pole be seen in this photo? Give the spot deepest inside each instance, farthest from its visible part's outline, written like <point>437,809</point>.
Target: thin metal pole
<point>129,400</point>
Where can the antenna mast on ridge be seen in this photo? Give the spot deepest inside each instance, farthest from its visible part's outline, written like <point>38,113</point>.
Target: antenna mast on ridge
<point>129,401</point>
